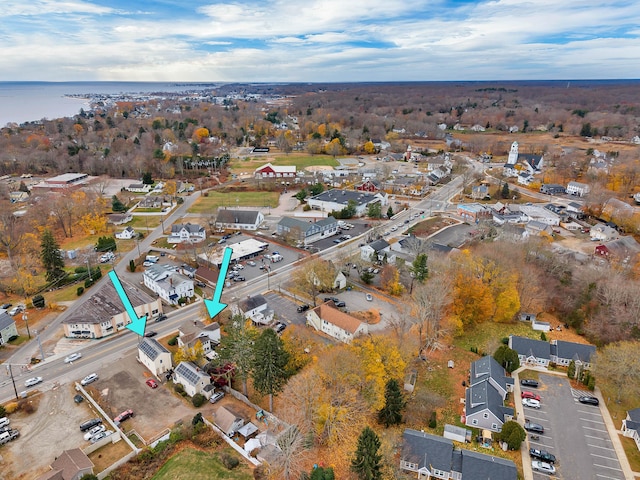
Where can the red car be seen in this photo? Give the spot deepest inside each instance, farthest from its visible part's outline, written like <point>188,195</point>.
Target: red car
<point>152,383</point>
<point>123,416</point>
<point>526,394</point>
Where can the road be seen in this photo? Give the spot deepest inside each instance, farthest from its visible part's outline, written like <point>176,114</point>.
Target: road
<point>100,353</point>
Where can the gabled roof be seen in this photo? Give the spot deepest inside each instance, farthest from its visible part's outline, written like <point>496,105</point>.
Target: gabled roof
<point>191,373</point>
<point>344,196</point>
<point>480,466</point>
<point>151,348</point>
<point>634,414</point>
<point>251,303</point>
<point>71,462</point>
<point>278,168</point>
<point>573,351</point>
<point>529,347</point>
<point>329,313</point>
<point>189,227</point>
<point>244,217</point>
<point>225,417</point>
<point>486,367</point>
<point>379,245</point>
<point>305,225</point>
<point>6,320</point>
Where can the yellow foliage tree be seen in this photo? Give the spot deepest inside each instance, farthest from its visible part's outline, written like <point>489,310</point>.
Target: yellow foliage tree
<point>507,300</point>
<point>200,133</point>
<point>25,283</point>
<point>322,129</point>
<point>334,148</point>
<point>189,354</point>
<point>473,302</point>
<point>369,147</point>
<point>92,223</point>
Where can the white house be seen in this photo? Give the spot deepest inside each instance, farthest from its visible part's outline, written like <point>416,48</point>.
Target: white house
<point>187,233</point>
<point>376,251</point>
<point>540,214</point>
<point>192,332</point>
<point>335,323</point>
<point>631,425</point>
<point>154,356</point>
<point>239,219</point>
<point>256,308</point>
<point>578,189</point>
<point>7,328</point>
<point>603,233</point>
<point>127,234</point>
<point>169,285</point>
<point>338,199</point>
<point>139,188</point>
<point>193,379</point>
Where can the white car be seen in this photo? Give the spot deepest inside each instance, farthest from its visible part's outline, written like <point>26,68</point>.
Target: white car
<point>89,379</point>
<point>147,264</point>
<point>251,263</point>
<point>369,297</point>
<point>33,381</point>
<point>543,467</point>
<point>73,357</point>
<point>15,310</point>
<point>394,228</point>
<point>239,267</point>
<point>101,435</point>
<point>94,431</point>
<point>531,402</point>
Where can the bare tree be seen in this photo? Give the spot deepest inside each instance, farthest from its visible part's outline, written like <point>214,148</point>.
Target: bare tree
<point>618,365</point>
<point>430,301</point>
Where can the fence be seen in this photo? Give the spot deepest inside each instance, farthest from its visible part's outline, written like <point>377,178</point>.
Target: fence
<point>232,444</point>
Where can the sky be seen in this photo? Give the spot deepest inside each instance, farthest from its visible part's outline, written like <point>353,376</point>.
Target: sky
<point>318,40</point>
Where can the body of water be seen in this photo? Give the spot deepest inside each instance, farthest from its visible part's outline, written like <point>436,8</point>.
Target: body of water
<point>31,101</point>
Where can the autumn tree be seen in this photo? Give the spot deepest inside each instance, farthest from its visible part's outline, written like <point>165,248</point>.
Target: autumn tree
<point>12,230</point>
<point>51,257</point>
<point>618,366</point>
<point>290,459</point>
<point>189,354</point>
<point>369,147</point>
<point>367,462</point>
<point>390,280</point>
<point>391,413</point>
<point>335,148</point>
<point>428,307</point>
<point>269,365</point>
<point>236,347</point>
<point>314,277</point>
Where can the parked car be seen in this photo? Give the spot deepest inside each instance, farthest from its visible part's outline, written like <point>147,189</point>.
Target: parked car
<point>152,383</point>
<point>530,402</point>
<point>280,327</point>
<point>101,435</point>
<point>73,357</point>
<point>588,400</point>
<point>78,398</point>
<point>201,284</point>
<point>33,381</point>
<point>161,318</point>
<point>216,396</point>
<point>94,431</point>
<point>251,263</point>
<point>6,306</point>
<point>337,302</point>
<point>532,395</point>
<point>527,382</point>
<point>84,426</point>
<point>150,333</point>
<point>123,416</point>
<point>238,279</point>
<point>147,264</point>
<point>538,466</point>
<point>369,297</point>
<point>303,308</point>
<point>89,379</point>
<point>542,455</point>
<point>15,310</point>
<point>533,427</point>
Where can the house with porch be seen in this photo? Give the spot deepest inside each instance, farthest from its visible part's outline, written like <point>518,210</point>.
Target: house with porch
<point>603,233</point>
<point>335,323</point>
<point>532,352</point>
<point>153,355</point>
<point>578,189</point>
<point>562,353</point>
<point>193,331</point>
<point>631,426</point>
<point>167,283</point>
<point>255,308</point>
<point>431,457</point>
<point>187,233</point>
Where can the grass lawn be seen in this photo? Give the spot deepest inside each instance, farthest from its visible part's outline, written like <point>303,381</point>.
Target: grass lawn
<point>632,452</point>
<point>143,222</point>
<point>197,465</point>
<point>488,335</point>
<point>214,200</point>
<point>300,161</point>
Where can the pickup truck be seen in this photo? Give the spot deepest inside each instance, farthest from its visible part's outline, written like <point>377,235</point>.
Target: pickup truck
<point>542,455</point>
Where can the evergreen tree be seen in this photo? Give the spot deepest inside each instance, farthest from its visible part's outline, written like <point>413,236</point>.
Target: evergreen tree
<point>269,364</point>
<point>236,347</point>
<point>366,462</point>
<point>117,205</point>
<point>51,256</point>
<point>505,190</point>
<point>391,413</point>
<point>374,210</point>
<point>419,268</point>
<point>571,370</point>
<point>507,357</point>
<point>389,212</point>
<point>322,473</point>
<point>147,179</point>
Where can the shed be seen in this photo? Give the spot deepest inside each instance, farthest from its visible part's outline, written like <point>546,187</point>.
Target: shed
<point>247,430</point>
<point>458,434</point>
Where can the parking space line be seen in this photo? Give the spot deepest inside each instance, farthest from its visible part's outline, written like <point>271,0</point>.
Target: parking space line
<point>592,436</point>
<point>604,466</point>
<point>596,429</point>
<point>590,412</point>
<point>602,456</point>
<point>604,448</point>
<point>610,478</point>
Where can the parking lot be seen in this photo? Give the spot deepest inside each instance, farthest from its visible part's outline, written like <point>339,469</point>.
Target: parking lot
<point>575,433</point>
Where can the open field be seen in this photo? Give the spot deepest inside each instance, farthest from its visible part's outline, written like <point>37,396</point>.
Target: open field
<point>194,464</point>
<point>214,200</point>
<point>300,161</point>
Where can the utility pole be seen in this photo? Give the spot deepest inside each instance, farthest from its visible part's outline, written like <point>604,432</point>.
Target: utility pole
<point>10,372</point>
<point>25,317</point>
<point>89,269</point>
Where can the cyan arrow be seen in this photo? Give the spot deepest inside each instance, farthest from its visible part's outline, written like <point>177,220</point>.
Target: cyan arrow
<point>137,325</point>
<point>214,306</point>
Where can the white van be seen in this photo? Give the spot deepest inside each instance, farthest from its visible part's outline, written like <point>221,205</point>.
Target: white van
<point>152,258</point>
<point>4,421</point>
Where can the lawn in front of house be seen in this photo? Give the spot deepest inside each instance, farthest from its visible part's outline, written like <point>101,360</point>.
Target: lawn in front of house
<point>191,464</point>
<point>214,200</point>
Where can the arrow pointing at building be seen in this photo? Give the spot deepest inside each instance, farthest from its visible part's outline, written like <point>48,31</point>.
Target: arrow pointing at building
<point>137,324</point>
<point>215,306</point>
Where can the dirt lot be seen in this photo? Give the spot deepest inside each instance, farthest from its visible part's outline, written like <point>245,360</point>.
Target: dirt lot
<point>52,428</point>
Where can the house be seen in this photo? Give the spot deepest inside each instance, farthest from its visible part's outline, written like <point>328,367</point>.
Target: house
<point>538,228</point>
<point>18,196</point>
<point>525,178</point>
<point>336,200</point>
<point>119,218</point>
<point>552,189</point>
<point>192,332</point>
<point>228,420</point>
<point>603,233</point>
<point>376,251</point>
<point>167,283</point>
<point>243,250</point>
<point>578,189</point>
<point>7,328</point>
<point>192,378</point>
<point>155,201</point>
<point>430,457</point>
<point>127,234</point>
<point>458,434</point>
<point>531,352</point>
<point>70,465</point>
<point>154,356</point>
<point>601,250</point>
<point>484,398</point>
<point>272,171</point>
<point>138,188</point>
<point>239,219</point>
<point>622,249</point>
<point>480,192</point>
<point>256,308</point>
<point>335,323</point>
<point>574,210</point>
<point>306,232</point>
<point>473,212</point>
<point>540,214</point>
<point>562,353</point>
<point>631,425</point>
<point>187,233</point>
<point>340,281</point>
<point>103,314</point>
<point>368,186</point>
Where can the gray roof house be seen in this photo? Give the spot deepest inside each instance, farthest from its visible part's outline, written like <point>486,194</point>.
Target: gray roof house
<point>187,233</point>
<point>256,308</point>
<point>531,352</point>
<point>563,352</point>
<point>7,328</point>
<point>307,231</point>
<point>335,199</point>
<point>631,426</point>
<point>432,456</point>
<point>192,378</point>
<point>484,403</point>
<point>239,219</point>
<point>379,248</point>
<point>228,420</point>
